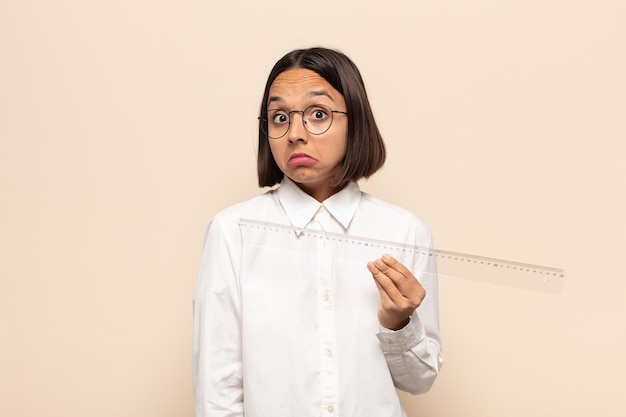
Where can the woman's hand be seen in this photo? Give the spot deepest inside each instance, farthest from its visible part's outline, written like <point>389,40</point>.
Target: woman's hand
<point>400,292</point>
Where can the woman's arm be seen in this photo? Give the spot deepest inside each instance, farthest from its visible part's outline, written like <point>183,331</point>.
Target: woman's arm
<point>409,316</point>
<point>216,350</point>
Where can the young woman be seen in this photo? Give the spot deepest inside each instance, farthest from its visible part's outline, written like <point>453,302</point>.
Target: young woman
<point>296,312</point>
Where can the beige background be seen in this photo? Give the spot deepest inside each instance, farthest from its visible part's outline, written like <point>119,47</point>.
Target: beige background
<point>125,125</point>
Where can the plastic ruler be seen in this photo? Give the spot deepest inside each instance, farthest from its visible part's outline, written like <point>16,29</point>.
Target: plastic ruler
<point>449,263</point>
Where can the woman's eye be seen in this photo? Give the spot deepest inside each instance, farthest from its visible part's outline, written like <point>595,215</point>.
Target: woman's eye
<point>279,118</point>
<point>318,114</point>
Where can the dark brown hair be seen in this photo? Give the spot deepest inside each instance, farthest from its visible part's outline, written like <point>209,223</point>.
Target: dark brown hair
<point>365,152</point>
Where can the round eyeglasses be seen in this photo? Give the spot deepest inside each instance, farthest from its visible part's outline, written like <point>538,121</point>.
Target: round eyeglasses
<point>316,119</point>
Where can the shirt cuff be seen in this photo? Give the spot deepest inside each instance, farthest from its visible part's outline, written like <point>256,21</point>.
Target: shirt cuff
<point>398,341</point>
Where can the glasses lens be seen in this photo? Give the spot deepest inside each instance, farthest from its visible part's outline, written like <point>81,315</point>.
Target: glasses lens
<point>317,119</point>
<point>277,123</point>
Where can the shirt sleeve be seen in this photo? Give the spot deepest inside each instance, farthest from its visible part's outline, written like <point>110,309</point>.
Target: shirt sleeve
<point>413,353</point>
<point>216,344</point>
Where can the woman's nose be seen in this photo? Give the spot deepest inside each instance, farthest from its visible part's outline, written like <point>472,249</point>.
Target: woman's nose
<point>296,131</point>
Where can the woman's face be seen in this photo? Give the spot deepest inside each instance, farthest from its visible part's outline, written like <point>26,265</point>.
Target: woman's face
<point>307,159</point>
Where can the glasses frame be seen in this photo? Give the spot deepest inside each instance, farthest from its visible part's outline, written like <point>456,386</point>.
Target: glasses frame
<point>265,121</point>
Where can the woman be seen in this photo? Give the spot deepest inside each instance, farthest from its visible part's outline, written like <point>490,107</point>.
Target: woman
<point>287,318</point>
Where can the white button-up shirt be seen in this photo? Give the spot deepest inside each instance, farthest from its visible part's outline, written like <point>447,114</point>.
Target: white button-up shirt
<point>285,310</point>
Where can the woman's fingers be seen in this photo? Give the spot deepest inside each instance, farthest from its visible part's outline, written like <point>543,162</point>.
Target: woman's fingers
<point>400,292</point>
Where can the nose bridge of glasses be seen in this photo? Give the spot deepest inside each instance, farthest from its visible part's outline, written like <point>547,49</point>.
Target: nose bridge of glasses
<point>291,123</point>
<point>297,111</point>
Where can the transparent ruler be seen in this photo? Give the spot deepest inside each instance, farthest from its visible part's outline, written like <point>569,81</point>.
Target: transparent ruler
<point>449,263</point>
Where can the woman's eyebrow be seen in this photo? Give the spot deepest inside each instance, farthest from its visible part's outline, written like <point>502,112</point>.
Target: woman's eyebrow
<point>274,98</point>
<point>317,93</point>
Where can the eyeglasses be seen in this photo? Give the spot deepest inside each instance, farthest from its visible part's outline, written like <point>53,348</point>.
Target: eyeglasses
<point>316,119</point>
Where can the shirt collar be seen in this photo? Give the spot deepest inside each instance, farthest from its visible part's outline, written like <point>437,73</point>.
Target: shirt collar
<point>301,207</point>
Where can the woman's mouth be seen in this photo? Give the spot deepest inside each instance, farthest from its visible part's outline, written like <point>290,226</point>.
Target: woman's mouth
<point>301,159</point>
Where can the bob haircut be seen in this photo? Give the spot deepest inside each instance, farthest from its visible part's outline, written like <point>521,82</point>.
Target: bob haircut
<point>365,152</point>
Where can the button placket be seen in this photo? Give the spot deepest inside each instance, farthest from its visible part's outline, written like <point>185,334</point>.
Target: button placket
<point>329,377</point>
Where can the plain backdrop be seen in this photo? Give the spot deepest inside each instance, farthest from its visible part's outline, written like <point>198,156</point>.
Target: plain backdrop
<point>125,125</point>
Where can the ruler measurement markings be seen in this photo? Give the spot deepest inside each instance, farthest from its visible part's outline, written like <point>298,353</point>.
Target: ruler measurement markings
<point>552,276</point>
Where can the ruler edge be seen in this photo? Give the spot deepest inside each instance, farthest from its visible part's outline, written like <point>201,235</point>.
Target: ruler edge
<point>495,262</point>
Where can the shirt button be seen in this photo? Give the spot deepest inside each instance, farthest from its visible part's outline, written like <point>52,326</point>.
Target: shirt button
<point>329,353</point>
<point>330,409</point>
<point>326,296</point>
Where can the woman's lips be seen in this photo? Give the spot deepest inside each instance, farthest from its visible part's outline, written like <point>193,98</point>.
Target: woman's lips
<point>301,159</point>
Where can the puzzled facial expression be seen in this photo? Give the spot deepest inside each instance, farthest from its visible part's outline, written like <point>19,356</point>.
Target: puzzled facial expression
<point>306,153</point>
